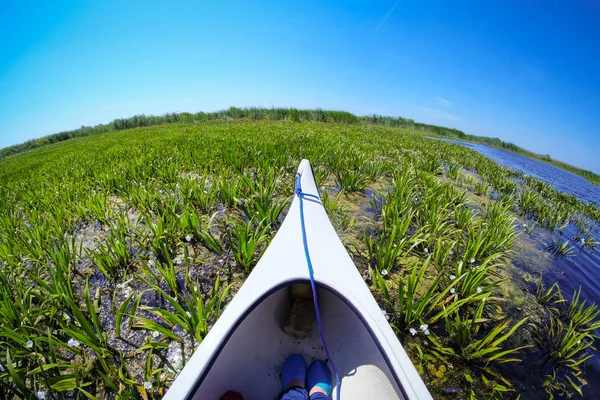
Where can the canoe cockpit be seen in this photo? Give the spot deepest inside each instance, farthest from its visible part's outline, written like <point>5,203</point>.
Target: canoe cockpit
<point>250,357</point>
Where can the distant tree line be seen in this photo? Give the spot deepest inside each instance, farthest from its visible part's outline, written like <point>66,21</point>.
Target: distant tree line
<point>290,114</point>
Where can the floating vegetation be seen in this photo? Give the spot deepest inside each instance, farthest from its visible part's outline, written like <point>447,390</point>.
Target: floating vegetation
<point>115,263</point>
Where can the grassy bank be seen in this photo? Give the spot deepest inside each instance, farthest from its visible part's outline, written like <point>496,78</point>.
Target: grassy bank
<point>119,250</point>
<point>291,114</point>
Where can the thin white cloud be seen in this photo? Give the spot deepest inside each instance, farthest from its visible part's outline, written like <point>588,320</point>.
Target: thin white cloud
<point>444,102</point>
<point>384,19</point>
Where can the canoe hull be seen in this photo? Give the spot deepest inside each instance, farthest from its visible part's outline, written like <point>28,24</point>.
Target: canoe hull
<point>246,347</point>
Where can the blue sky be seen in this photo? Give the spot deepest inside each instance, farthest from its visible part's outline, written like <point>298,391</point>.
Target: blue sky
<point>524,71</point>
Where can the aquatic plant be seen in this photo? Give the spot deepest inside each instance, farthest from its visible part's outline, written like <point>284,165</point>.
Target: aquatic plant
<point>584,319</point>
<point>487,348</point>
<point>560,248</point>
<point>566,353</point>
<point>568,336</point>
<point>551,297</point>
<point>453,171</point>
<point>201,192</point>
<point>385,250</point>
<point>480,188</point>
<point>351,180</point>
<point>407,305</point>
<point>337,210</point>
<point>246,239</point>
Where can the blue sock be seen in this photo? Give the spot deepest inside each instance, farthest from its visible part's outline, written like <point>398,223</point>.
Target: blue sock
<point>319,375</point>
<point>293,368</point>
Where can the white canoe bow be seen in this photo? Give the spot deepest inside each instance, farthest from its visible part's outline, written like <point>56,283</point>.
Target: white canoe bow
<point>246,347</point>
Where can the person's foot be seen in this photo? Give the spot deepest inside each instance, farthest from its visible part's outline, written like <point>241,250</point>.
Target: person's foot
<point>319,378</point>
<point>293,372</point>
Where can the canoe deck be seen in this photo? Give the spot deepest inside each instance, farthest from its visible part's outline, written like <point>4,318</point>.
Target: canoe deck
<point>250,360</point>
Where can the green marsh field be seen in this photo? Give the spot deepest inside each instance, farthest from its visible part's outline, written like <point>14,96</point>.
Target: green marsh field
<point>119,250</point>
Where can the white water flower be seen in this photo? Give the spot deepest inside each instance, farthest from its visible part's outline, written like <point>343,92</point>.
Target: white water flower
<point>524,225</point>
<point>188,238</point>
<point>385,314</point>
<point>452,290</point>
<point>73,343</point>
<point>424,327</point>
<point>384,272</point>
<point>413,331</point>
<point>148,385</point>
<point>426,250</point>
<point>479,290</point>
<point>472,260</point>
<point>582,242</point>
<point>41,394</point>
<point>426,332</point>
<point>579,341</point>
<point>29,344</point>
<point>452,277</point>
<point>221,261</point>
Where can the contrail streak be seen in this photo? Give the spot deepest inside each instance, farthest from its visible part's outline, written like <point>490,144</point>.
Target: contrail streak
<point>384,18</point>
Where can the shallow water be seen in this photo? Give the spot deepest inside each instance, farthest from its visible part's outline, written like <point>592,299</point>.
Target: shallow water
<point>583,269</point>
<point>562,180</point>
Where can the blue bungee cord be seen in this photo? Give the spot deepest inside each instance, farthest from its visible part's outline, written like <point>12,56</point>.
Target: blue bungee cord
<point>301,196</point>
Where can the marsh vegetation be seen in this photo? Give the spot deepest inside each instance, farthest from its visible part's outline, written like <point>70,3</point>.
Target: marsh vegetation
<point>118,251</point>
